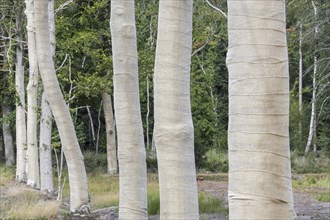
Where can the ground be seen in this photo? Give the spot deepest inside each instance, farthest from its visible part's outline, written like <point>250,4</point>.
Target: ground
<point>306,204</point>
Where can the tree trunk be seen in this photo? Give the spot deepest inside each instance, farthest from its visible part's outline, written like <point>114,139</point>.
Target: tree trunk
<point>173,133</point>
<point>77,174</point>
<point>21,144</point>
<point>312,124</point>
<point>32,96</point>
<point>260,184</point>
<point>111,134</point>
<point>46,172</point>
<point>300,79</point>
<point>131,150</point>
<point>7,135</point>
<point>46,121</point>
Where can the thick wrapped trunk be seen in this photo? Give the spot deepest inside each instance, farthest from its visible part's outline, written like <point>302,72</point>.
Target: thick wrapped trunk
<point>174,131</point>
<point>258,134</point>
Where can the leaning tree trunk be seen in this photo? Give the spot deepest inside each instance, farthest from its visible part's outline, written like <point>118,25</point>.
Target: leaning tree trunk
<point>131,151</point>
<point>173,131</point>
<point>111,134</point>
<point>21,144</point>
<point>258,136</point>
<point>77,174</point>
<point>32,96</point>
<point>7,135</point>
<point>46,174</point>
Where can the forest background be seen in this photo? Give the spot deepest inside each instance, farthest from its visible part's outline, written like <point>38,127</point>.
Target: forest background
<point>84,68</point>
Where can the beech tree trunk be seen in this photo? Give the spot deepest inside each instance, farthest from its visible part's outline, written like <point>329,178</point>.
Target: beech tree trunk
<point>260,184</point>
<point>21,144</point>
<point>32,97</point>
<point>174,131</point>
<point>46,121</point>
<point>312,124</point>
<point>131,150</point>
<point>111,134</point>
<point>46,170</point>
<point>79,200</point>
<point>7,135</point>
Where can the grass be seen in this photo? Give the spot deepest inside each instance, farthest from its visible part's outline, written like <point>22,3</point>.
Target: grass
<point>316,184</point>
<point>210,204</point>
<point>28,204</point>
<point>6,174</point>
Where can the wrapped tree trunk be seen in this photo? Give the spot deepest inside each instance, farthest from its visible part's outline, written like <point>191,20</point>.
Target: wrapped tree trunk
<point>79,201</point>
<point>131,151</point>
<point>174,131</point>
<point>258,134</point>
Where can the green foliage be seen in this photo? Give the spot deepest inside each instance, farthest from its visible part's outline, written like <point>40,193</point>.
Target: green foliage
<point>216,161</point>
<point>7,174</point>
<point>95,162</point>
<point>324,197</point>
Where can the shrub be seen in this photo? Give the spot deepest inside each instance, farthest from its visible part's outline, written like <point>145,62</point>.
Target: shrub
<point>216,161</point>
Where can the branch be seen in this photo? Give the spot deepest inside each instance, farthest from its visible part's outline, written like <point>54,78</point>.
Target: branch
<point>61,7</point>
<point>212,6</point>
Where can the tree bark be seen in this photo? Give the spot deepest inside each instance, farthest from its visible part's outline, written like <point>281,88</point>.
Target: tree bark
<point>46,172</point>
<point>260,184</point>
<point>21,144</point>
<point>300,79</point>
<point>131,149</point>
<point>79,201</point>
<point>7,135</point>
<point>312,124</point>
<point>46,121</point>
<point>173,133</point>
<point>32,97</point>
<point>112,167</point>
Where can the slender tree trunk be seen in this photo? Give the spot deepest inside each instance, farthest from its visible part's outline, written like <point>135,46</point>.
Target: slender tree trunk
<point>174,131</point>
<point>2,150</point>
<point>46,172</point>
<point>300,78</point>
<point>32,97</point>
<point>260,184</point>
<point>131,150</point>
<point>111,134</point>
<point>7,135</point>
<point>21,144</point>
<point>312,124</point>
<point>147,115</point>
<point>77,174</point>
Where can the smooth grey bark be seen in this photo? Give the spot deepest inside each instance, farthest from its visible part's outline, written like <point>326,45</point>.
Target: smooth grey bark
<point>174,131</point>
<point>46,120</point>
<point>131,149</point>
<point>32,98</point>
<point>300,79</point>
<point>79,200</point>
<point>21,142</point>
<point>312,124</point>
<point>260,185</point>
<point>46,169</point>
<point>112,167</point>
<point>7,135</point>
